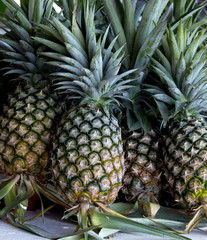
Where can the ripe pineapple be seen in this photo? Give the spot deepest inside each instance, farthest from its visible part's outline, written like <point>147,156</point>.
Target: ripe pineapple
<point>28,118</point>
<point>181,99</point>
<point>25,133</point>
<point>88,158</point>
<point>88,161</point>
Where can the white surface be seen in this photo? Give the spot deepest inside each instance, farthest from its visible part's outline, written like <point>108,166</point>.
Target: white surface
<point>54,225</point>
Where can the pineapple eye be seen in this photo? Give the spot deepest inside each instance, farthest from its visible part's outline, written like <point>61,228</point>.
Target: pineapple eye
<point>50,113</point>
<point>31,137</point>
<point>116,138</point>
<point>115,151</point>
<point>4,134</point>
<point>93,190</point>
<point>76,185</point>
<point>47,122</point>
<point>97,123</point>
<point>19,165</point>
<point>113,177</point>
<point>105,119</point>
<point>98,171</point>
<point>86,176</point>
<point>108,166</point>
<point>37,126</point>
<point>8,153</point>
<point>22,129</point>
<point>29,108</point>
<point>117,163</point>
<point>19,104</point>
<point>28,119</point>
<point>22,148</point>
<point>62,181</point>
<point>31,159</point>
<point>60,151</point>
<point>106,131</point>
<point>77,120</point>
<point>82,163</point>
<point>39,147</point>
<point>63,162</point>
<point>96,145</point>
<point>95,134</point>
<point>41,104</point>
<point>89,116</point>
<point>105,183</point>
<point>72,155</point>
<point>39,114</point>
<point>85,127</point>
<point>82,139</point>
<point>45,136</point>
<point>71,144</point>
<point>31,99</point>
<point>70,195</point>
<point>107,142</point>
<point>74,132</point>
<point>105,154</point>
<point>94,158</point>
<point>84,150</point>
<point>71,171</point>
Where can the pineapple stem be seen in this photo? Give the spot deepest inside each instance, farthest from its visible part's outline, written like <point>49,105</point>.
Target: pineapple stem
<point>151,209</point>
<point>83,217</point>
<point>109,211</point>
<point>200,214</point>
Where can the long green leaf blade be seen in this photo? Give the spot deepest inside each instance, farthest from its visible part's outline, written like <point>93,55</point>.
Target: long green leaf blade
<point>129,24</point>
<point>5,190</point>
<point>116,24</point>
<point>114,222</point>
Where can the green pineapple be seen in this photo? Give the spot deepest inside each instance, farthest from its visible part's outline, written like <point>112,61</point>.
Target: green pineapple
<point>26,128</point>
<point>27,122</point>
<point>88,157</point>
<point>181,99</point>
<point>88,161</point>
<point>142,179</point>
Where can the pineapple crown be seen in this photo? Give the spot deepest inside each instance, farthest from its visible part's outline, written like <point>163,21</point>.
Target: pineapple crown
<point>88,70</point>
<point>20,52</point>
<point>139,27</point>
<point>181,67</point>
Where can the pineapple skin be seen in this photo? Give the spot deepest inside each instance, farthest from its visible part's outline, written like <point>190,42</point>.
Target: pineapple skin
<point>88,159</point>
<point>143,166</point>
<point>185,159</point>
<point>26,127</point>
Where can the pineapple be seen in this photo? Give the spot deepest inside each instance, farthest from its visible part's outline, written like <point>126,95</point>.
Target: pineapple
<point>88,157</point>
<point>181,99</point>
<point>27,121</point>
<point>142,180</point>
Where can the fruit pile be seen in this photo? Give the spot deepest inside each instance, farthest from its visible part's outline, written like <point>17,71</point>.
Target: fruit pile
<point>103,103</point>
